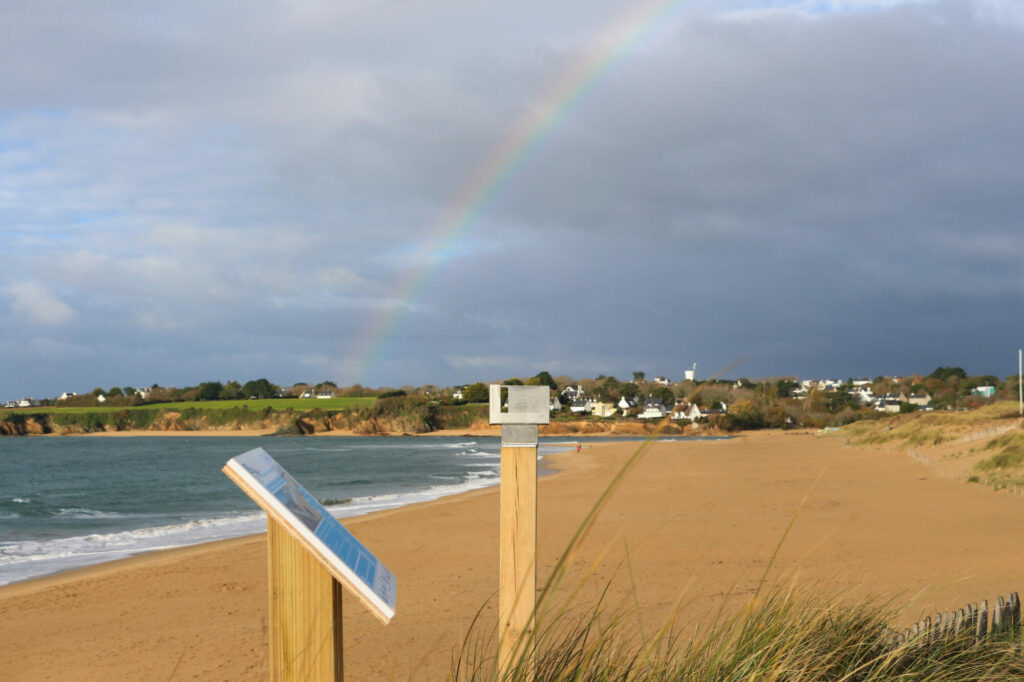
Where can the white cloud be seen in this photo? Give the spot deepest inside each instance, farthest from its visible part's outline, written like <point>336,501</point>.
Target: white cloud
<point>35,304</point>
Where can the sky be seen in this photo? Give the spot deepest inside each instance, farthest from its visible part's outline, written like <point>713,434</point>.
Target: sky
<point>444,192</point>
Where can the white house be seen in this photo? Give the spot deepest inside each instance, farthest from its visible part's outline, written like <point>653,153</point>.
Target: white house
<point>687,411</point>
<point>602,408</point>
<point>653,409</point>
<point>554,405</point>
<point>573,393</point>
<point>324,395</point>
<point>28,402</point>
<point>308,393</point>
<point>67,394</point>
<point>662,380</point>
<point>984,391</point>
<point>626,404</point>
<point>890,402</point>
<point>919,399</point>
<point>457,392</point>
<point>580,406</point>
<point>101,398</point>
<point>863,394</point>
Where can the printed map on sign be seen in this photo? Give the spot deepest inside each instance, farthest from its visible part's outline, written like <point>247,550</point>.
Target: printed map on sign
<point>280,495</point>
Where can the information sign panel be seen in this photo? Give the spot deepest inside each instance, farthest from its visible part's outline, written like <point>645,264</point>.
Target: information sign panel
<point>344,557</point>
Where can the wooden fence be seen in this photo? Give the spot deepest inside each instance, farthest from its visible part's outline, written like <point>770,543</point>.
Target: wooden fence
<point>972,621</point>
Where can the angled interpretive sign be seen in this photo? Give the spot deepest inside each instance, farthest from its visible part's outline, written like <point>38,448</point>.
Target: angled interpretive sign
<point>342,555</point>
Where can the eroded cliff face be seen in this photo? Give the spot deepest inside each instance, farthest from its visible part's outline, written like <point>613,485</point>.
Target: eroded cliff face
<point>617,428</point>
<point>29,425</point>
<point>410,422</point>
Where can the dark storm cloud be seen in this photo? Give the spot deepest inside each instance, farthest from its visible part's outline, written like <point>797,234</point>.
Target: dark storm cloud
<point>236,190</point>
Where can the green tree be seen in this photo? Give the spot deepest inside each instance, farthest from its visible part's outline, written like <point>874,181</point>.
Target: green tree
<point>209,390</point>
<point>784,387</point>
<point>543,379</point>
<point>775,417</point>
<point>115,391</point>
<point>840,400</point>
<point>232,391</point>
<point>476,393</point>
<point>665,395</point>
<point>259,388</point>
<point>638,377</point>
<point>943,373</point>
<point>743,414</point>
<point>513,382</point>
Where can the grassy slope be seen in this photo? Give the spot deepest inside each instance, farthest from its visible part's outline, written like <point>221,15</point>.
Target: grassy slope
<point>982,446</point>
<point>277,404</point>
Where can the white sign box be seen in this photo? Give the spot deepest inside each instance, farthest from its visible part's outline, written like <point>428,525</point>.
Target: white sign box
<point>522,404</point>
<point>280,495</point>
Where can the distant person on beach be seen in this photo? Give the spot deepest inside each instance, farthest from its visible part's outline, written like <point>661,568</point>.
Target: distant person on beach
<point>577,447</point>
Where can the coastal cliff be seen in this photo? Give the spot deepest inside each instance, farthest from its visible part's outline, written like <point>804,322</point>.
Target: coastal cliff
<point>389,416</point>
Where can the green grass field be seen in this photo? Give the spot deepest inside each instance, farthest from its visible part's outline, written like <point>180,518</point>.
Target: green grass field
<point>277,404</point>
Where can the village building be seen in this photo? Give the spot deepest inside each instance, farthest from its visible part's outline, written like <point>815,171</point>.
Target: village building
<point>580,406</point>
<point>653,409</point>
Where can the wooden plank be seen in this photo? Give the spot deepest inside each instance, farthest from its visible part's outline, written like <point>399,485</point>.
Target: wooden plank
<point>981,629</point>
<point>305,612</point>
<point>518,549</point>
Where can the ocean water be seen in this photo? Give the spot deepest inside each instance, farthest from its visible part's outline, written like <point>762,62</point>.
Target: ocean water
<point>74,501</point>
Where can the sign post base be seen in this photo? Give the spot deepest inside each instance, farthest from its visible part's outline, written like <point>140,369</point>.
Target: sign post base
<point>305,612</point>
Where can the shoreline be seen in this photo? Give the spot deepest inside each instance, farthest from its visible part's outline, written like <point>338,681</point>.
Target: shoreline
<point>545,469</point>
<point>699,523</point>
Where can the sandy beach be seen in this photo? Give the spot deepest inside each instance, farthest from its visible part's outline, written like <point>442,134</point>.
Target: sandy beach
<point>699,521</point>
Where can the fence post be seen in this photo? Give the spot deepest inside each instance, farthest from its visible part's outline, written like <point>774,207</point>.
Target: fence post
<point>982,628</point>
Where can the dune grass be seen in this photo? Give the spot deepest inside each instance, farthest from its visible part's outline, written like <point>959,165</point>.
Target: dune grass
<point>926,428</point>
<point>780,636</point>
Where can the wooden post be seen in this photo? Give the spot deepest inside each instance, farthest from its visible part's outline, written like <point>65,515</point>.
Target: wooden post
<point>518,550</point>
<point>305,612</point>
<point>519,410</point>
<point>981,630</point>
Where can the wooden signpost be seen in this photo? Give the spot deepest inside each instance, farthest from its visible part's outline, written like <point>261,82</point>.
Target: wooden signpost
<point>519,410</point>
<point>310,556</point>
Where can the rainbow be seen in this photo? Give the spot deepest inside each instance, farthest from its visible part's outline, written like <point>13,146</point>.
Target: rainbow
<point>484,183</point>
